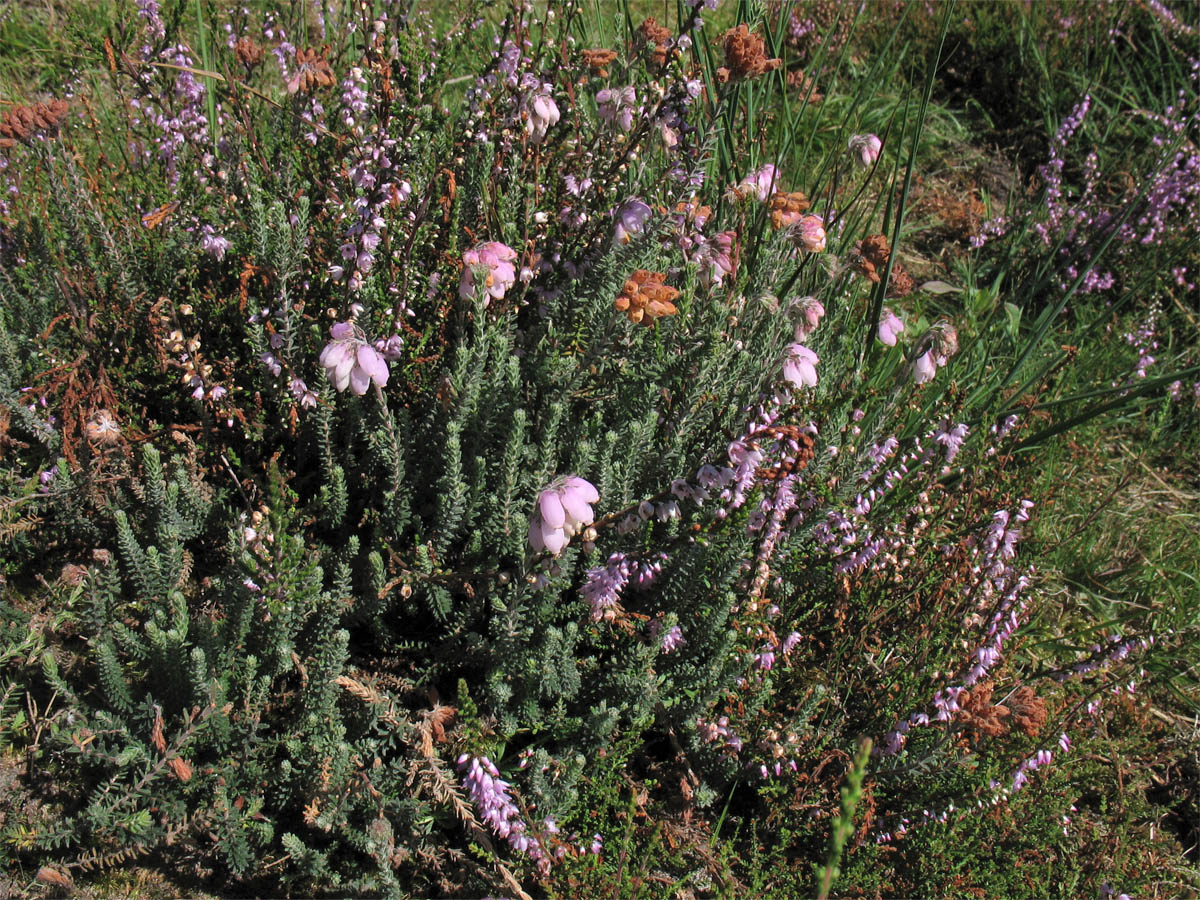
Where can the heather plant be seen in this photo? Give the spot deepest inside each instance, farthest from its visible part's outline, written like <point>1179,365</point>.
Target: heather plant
<point>432,447</point>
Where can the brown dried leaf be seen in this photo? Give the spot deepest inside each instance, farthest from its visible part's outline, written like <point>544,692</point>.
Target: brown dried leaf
<point>180,767</point>
<point>156,733</point>
<point>55,878</point>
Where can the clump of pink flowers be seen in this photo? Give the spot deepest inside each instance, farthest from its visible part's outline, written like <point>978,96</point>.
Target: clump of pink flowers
<point>759,184</point>
<point>541,114</point>
<point>616,105</point>
<point>630,217</point>
<point>715,258</point>
<point>563,510</point>
<point>942,344</point>
<point>214,244</point>
<point>866,148</point>
<point>809,234</point>
<point>351,362</point>
<point>501,273</point>
<point>800,366</point>
<point>890,327</point>
<point>672,639</point>
<point>811,310</point>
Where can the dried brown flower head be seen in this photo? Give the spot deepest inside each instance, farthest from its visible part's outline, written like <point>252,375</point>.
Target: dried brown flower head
<point>655,37</point>
<point>73,574</point>
<point>102,428</point>
<point>900,284</point>
<point>57,879</point>
<point>786,208</point>
<point>645,298</point>
<point>745,56</point>
<point>1024,710</point>
<point>870,257</point>
<point>180,768</point>
<point>312,71</point>
<point>804,86</point>
<point>653,33</point>
<point>1028,711</point>
<point>599,61</point>
<point>249,53</point>
<point>22,123</point>
<point>870,260</point>
<point>978,714</point>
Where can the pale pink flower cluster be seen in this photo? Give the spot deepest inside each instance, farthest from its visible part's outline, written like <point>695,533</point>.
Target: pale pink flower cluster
<point>563,510</point>
<point>943,345</point>
<point>541,113</point>
<point>810,310</point>
<point>351,362</point>
<point>800,366</point>
<point>616,105</point>
<point>809,234</point>
<point>501,273</point>
<point>890,327</point>
<point>759,184</point>
<point>672,640</point>
<point>925,367</point>
<point>630,217</point>
<point>866,147</point>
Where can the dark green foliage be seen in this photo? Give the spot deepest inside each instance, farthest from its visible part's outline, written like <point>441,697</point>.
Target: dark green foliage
<point>253,621</point>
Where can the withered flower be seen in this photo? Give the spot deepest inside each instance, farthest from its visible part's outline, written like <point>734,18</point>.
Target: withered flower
<point>979,715</point>
<point>804,86</point>
<point>786,208</point>
<point>745,56</point>
<point>653,33</point>
<point>655,37</point>
<point>599,61</point>
<point>22,123</point>
<point>901,283</point>
<point>645,298</point>
<point>312,71</point>
<point>870,260</point>
<point>1024,710</point>
<point>249,53</point>
<point>1028,711</point>
<point>870,257</point>
<point>102,428</point>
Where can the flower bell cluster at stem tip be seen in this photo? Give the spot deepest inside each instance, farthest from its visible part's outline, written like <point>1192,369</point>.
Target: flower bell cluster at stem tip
<point>351,362</point>
<point>563,510</point>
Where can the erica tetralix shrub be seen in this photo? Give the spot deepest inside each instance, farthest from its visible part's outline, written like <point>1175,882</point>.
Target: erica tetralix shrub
<point>439,418</point>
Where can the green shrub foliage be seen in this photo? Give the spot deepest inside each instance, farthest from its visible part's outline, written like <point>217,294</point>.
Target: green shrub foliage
<point>310,332</point>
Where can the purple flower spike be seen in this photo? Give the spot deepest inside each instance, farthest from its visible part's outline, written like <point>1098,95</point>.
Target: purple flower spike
<point>490,793</point>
